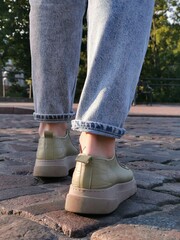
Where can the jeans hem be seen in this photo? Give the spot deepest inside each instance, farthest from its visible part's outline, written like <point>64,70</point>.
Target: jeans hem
<point>53,117</point>
<point>98,128</point>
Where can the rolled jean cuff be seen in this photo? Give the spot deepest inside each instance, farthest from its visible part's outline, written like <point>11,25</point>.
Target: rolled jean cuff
<point>97,128</point>
<point>51,118</point>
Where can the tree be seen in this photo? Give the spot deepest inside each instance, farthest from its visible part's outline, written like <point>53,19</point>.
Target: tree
<point>163,55</point>
<point>162,59</point>
<point>14,37</point>
<point>163,52</point>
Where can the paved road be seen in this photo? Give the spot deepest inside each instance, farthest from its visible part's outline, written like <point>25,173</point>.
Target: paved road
<point>34,208</point>
<point>138,110</point>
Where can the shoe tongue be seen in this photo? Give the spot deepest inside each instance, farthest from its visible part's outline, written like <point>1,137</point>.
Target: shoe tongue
<point>48,134</point>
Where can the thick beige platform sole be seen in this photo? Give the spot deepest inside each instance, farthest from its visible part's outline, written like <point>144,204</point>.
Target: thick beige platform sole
<point>99,201</point>
<point>54,168</point>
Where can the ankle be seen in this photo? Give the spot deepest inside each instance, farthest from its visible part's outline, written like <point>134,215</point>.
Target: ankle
<point>58,129</point>
<point>97,145</point>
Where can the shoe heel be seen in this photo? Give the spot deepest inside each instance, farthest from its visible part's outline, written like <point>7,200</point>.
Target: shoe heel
<point>54,168</point>
<point>98,201</point>
<point>85,205</point>
<point>50,171</point>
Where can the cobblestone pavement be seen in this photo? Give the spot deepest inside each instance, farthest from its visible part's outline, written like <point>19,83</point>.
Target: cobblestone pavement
<point>34,208</point>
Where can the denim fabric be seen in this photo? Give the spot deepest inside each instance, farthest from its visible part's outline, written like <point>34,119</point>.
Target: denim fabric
<point>118,34</point>
<point>55,39</point>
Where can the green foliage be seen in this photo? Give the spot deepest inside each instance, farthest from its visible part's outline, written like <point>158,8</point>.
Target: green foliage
<point>163,55</point>
<point>17,91</point>
<point>14,37</point>
<point>162,58</point>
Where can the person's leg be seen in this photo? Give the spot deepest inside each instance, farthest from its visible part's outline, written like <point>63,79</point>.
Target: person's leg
<point>118,33</point>
<point>55,39</point>
<point>97,145</point>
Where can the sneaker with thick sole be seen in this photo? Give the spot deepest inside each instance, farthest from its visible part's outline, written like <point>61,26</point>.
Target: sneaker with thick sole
<point>55,156</point>
<point>99,185</point>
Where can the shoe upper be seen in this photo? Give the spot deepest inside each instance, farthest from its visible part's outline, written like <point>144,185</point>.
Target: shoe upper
<point>95,173</point>
<point>51,147</point>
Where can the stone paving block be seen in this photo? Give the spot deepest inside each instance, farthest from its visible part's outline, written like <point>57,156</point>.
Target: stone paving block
<point>171,188</point>
<point>18,121</point>
<point>127,158</point>
<point>166,219</point>
<point>148,140</point>
<point>15,181</point>
<point>175,155</point>
<point>172,175</point>
<point>6,163</point>
<point>75,225</point>
<point>22,157</point>
<point>22,191</point>
<point>131,208</point>
<point>157,157</point>
<point>27,201</point>
<point>15,168</point>
<point>134,232</point>
<point>148,179</point>
<point>21,170</point>
<point>17,228</point>
<point>19,147</point>
<point>155,198</point>
<point>151,166</point>
<point>174,145</point>
<point>41,208</point>
<point>154,156</point>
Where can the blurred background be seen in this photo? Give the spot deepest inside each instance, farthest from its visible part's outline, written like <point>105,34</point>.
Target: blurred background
<point>160,76</point>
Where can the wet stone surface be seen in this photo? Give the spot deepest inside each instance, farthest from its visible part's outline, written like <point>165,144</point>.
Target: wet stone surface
<point>34,208</point>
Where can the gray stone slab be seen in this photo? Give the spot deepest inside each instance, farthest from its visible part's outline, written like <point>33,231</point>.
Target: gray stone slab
<point>169,219</point>
<point>27,201</point>
<point>152,166</point>
<point>148,139</point>
<point>17,228</point>
<point>136,232</point>
<point>19,147</point>
<point>155,198</point>
<point>41,208</point>
<point>159,225</point>
<point>16,181</point>
<point>16,192</point>
<point>174,146</point>
<point>21,170</point>
<point>148,179</point>
<point>10,168</point>
<point>22,157</point>
<point>131,208</point>
<point>171,188</point>
<point>171,175</point>
<point>74,225</point>
<point>157,157</point>
<point>18,121</point>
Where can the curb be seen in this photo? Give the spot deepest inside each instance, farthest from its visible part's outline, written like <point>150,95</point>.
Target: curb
<point>153,115</point>
<point>15,110</point>
<point>24,110</point>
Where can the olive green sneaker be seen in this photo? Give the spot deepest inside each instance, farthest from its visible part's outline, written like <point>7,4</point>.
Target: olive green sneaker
<point>99,185</point>
<point>55,156</point>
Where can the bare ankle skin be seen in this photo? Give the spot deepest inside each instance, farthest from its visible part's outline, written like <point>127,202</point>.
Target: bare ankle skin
<point>97,145</point>
<point>58,129</point>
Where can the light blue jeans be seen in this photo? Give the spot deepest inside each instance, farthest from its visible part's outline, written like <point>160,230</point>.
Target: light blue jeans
<point>118,34</point>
